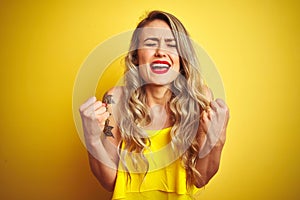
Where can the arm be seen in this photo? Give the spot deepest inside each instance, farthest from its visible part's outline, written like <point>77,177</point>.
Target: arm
<point>211,137</point>
<point>102,149</point>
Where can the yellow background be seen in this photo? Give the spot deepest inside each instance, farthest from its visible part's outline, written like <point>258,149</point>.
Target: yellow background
<point>254,44</point>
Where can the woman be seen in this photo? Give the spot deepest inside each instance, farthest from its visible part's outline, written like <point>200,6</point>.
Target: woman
<point>163,91</point>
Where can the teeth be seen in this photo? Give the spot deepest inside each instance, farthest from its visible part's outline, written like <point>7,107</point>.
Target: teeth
<point>159,65</point>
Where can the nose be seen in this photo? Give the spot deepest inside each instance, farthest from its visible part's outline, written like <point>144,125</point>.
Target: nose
<point>160,51</point>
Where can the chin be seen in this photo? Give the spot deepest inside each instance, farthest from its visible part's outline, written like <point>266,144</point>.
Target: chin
<point>162,82</point>
<point>159,79</point>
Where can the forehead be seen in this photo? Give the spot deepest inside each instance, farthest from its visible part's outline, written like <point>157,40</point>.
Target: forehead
<point>156,28</point>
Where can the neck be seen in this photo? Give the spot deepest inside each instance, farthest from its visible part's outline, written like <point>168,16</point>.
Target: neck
<point>157,95</point>
<point>157,99</point>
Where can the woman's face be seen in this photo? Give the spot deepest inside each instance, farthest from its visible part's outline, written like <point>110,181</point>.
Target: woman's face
<point>158,57</point>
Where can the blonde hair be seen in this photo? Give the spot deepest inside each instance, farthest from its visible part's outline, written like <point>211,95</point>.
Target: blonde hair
<point>185,104</point>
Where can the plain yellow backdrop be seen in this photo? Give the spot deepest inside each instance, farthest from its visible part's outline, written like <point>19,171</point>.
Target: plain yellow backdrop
<point>254,44</point>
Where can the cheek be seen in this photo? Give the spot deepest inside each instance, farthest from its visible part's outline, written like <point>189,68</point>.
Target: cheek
<point>144,72</point>
<point>176,61</point>
<point>144,56</point>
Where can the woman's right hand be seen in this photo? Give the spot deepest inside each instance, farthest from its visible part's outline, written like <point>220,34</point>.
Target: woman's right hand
<point>93,115</point>
<point>103,157</point>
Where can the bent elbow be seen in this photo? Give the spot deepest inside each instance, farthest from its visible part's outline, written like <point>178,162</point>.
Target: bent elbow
<point>204,179</point>
<point>201,182</point>
<point>109,187</point>
<point>106,179</point>
<point>108,183</point>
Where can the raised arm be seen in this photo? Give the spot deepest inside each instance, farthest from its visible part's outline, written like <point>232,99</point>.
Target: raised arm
<point>101,138</point>
<point>211,137</point>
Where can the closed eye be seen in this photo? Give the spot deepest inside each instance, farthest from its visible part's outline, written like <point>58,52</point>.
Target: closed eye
<point>171,42</point>
<point>150,44</point>
<point>172,45</point>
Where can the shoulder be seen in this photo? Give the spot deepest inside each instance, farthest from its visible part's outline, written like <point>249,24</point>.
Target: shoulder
<point>114,93</point>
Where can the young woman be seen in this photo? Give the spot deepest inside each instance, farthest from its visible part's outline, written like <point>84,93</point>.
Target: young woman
<point>161,135</point>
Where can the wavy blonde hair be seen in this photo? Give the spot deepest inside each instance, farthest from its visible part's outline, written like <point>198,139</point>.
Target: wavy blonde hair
<point>185,104</point>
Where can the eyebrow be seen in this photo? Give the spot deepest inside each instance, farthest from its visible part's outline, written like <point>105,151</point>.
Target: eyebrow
<point>157,40</point>
<point>151,38</point>
<point>169,39</point>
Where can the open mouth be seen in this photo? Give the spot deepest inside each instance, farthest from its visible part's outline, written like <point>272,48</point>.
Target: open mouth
<point>160,67</point>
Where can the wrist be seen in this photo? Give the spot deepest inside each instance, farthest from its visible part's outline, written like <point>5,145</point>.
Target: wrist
<point>92,141</point>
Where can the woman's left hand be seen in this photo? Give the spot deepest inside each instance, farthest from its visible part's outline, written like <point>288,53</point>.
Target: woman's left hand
<point>212,128</point>
<point>211,138</point>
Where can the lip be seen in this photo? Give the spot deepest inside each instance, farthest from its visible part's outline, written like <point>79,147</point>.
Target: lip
<point>161,62</point>
<point>161,70</point>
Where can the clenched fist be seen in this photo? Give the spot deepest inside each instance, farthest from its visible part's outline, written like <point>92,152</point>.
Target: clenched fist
<point>93,115</point>
<point>213,124</point>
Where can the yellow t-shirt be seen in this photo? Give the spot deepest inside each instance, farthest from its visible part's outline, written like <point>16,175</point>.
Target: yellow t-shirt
<point>167,182</point>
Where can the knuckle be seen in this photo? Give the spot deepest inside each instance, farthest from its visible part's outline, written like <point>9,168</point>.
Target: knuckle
<point>103,109</point>
<point>226,109</point>
<point>205,119</point>
<point>213,113</point>
<point>85,113</point>
<point>81,109</point>
<point>97,104</point>
<point>101,118</point>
